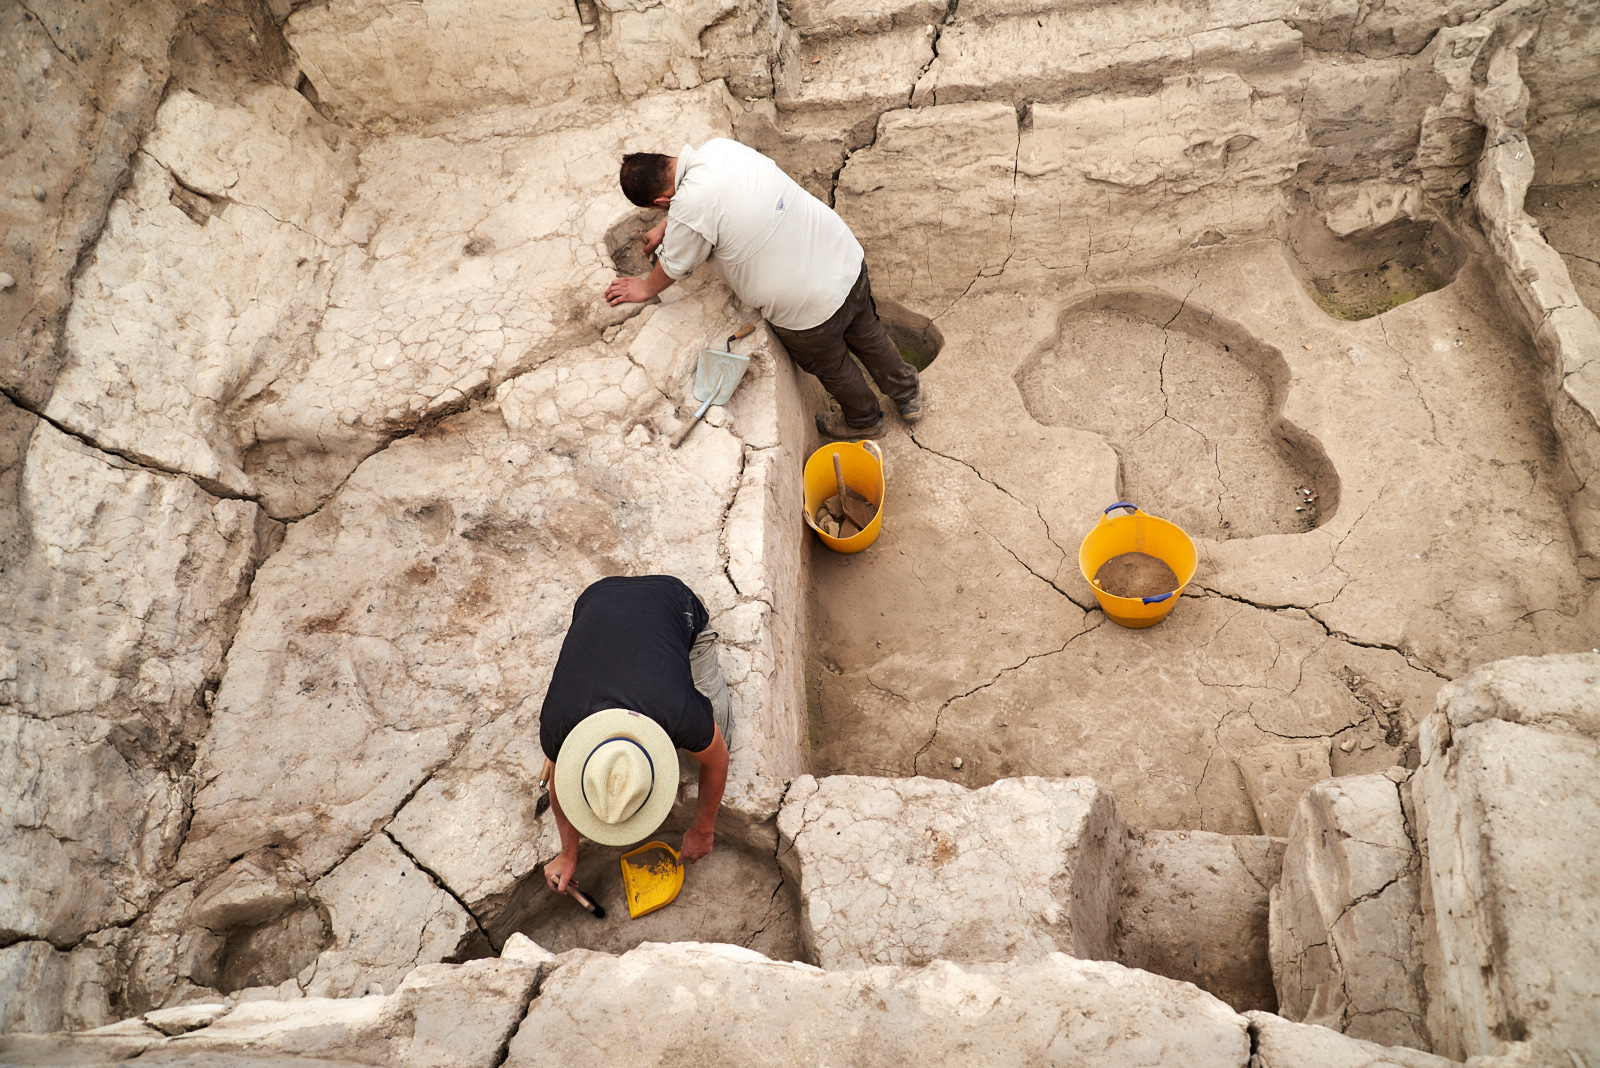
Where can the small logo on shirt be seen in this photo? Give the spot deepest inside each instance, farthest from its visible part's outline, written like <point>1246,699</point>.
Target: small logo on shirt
<point>780,203</point>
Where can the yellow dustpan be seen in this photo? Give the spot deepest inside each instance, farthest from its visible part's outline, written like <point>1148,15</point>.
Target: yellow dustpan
<point>652,875</point>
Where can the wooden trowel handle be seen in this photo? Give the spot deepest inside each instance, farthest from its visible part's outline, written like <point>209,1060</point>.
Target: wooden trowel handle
<point>583,899</point>
<point>838,476</point>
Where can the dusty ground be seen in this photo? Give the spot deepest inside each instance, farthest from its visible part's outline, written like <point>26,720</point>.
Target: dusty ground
<point>1569,217</point>
<point>1308,645</point>
<point>1190,420</point>
<point>731,896</point>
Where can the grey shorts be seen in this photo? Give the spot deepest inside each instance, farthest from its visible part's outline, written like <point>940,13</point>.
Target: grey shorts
<point>707,673</point>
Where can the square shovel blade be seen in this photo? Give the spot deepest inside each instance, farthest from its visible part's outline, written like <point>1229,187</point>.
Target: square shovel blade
<point>716,375</point>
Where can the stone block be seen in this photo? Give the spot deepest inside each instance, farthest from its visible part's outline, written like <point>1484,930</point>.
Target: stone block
<point>442,1016</point>
<point>45,989</point>
<point>856,78</point>
<point>1194,908</point>
<point>1350,207</point>
<point>905,871</point>
<point>181,1019</point>
<point>1510,813</point>
<point>1346,919</point>
<point>386,916</point>
<point>1559,693</point>
<point>1280,1043</point>
<point>375,61</point>
<point>719,1004</point>
<point>119,586</point>
<point>932,198</point>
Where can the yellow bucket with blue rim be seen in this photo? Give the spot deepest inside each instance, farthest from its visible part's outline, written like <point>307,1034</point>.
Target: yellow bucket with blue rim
<point>1137,532</point>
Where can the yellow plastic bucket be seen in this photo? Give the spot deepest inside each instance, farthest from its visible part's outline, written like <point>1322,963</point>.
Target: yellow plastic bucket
<point>862,465</point>
<point>652,875</point>
<point>1137,533</point>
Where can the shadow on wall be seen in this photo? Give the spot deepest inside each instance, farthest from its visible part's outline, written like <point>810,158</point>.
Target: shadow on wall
<point>1193,405</point>
<point>1368,272</point>
<point>918,340</point>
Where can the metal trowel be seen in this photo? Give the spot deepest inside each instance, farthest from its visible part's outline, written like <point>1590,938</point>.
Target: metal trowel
<point>715,378</point>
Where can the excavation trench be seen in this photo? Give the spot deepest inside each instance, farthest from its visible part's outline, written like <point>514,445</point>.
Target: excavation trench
<point>375,304</point>
<point>964,645</point>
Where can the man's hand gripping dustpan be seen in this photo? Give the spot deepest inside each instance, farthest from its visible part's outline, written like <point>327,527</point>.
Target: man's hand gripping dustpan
<point>715,378</point>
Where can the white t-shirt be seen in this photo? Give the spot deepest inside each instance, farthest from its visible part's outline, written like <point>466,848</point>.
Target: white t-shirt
<point>777,246</point>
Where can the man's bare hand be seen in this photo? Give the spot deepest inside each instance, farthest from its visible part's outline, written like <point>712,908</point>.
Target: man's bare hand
<point>558,873</point>
<point>696,844</point>
<point>653,237</point>
<point>627,291</point>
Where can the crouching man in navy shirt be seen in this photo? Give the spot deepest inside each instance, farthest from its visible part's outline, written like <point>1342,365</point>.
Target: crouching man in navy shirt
<point>637,680</point>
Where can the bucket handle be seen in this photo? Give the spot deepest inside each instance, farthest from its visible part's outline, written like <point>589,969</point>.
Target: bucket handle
<point>1130,505</point>
<point>872,447</point>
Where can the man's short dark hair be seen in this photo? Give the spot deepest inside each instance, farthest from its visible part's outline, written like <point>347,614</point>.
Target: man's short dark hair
<point>645,176</point>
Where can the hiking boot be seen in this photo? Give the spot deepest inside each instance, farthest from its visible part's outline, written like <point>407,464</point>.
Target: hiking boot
<point>911,407</point>
<point>832,425</point>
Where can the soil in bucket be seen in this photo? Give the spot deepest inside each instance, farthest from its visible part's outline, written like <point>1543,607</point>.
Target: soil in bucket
<point>1136,575</point>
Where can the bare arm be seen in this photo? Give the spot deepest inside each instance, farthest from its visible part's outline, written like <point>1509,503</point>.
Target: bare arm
<point>558,873</point>
<point>654,235</point>
<point>713,760</point>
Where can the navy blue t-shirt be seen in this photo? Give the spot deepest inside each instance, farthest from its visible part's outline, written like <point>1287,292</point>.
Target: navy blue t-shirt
<point>628,647</point>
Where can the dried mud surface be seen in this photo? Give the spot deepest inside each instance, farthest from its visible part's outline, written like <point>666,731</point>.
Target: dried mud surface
<point>1191,422</point>
<point>965,645</point>
<point>731,896</point>
<point>1135,575</point>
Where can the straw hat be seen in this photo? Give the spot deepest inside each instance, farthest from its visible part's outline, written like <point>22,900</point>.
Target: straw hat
<point>617,776</point>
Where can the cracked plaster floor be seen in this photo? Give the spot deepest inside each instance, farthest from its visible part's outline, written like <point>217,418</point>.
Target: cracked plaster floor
<point>966,631</point>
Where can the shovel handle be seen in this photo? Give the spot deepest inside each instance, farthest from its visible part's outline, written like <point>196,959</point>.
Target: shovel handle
<point>680,436</point>
<point>700,413</point>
